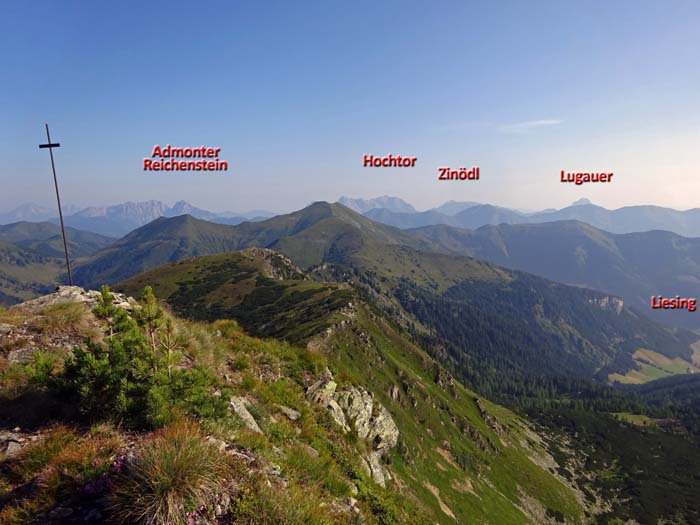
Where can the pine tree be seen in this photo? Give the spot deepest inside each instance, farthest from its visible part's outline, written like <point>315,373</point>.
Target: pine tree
<point>150,316</point>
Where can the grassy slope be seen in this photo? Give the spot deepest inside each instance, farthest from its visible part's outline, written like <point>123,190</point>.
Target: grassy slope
<point>435,419</point>
<point>45,239</point>
<point>24,274</point>
<point>435,422</point>
<point>237,286</point>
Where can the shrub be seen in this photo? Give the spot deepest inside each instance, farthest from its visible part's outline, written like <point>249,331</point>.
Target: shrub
<point>175,472</point>
<point>40,369</point>
<point>128,380</point>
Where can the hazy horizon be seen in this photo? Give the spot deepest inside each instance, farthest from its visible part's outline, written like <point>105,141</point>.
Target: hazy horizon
<point>295,95</point>
<point>74,207</point>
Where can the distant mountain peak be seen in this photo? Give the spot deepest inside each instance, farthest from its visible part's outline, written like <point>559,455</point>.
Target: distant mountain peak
<point>582,202</point>
<point>388,202</point>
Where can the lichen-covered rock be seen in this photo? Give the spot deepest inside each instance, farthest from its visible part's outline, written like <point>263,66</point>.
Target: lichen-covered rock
<point>323,390</point>
<point>354,408</point>
<point>338,415</point>
<point>357,404</point>
<point>383,433</point>
<point>238,405</point>
<point>380,475</point>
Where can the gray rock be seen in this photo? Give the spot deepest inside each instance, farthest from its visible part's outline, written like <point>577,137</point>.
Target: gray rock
<point>219,444</point>
<point>384,434</point>
<point>338,415</point>
<point>377,470</point>
<point>323,390</point>
<point>394,392</point>
<point>238,405</point>
<point>12,448</point>
<point>292,414</point>
<point>354,408</point>
<point>5,329</point>
<point>357,404</point>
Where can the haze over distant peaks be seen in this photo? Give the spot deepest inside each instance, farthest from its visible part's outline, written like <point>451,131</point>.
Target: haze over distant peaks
<point>628,219</point>
<point>386,202</point>
<point>30,211</point>
<point>119,219</point>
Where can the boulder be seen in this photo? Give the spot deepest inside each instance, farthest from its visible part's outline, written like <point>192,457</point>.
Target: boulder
<point>291,414</point>
<point>239,407</point>
<point>10,445</point>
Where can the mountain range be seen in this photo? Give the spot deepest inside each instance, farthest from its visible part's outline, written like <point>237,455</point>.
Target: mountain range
<point>120,219</point>
<point>560,325</point>
<point>628,219</point>
<point>412,314</point>
<point>634,266</point>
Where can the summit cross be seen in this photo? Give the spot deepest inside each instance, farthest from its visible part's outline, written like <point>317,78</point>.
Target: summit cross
<point>51,145</point>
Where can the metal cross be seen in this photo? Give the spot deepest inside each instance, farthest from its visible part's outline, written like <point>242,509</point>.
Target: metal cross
<point>51,145</point>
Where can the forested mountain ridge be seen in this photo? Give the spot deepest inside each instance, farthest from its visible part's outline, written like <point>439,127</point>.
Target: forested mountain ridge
<point>552,327</point>
<point>635,266</point>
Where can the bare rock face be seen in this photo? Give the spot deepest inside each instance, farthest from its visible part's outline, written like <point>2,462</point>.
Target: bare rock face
<point>355,409</point>
<point>239,407</point>
<point>609,303</point>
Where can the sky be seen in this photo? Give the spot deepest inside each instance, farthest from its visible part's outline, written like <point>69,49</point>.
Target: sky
<point>295,93</point>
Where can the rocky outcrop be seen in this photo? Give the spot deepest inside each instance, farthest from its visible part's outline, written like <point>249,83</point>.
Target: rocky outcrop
<point>76,294</point>
<point>355,409</point>
<point>275,265</point>
<point>608,303</point>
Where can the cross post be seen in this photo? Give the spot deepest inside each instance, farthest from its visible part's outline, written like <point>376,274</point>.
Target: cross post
<point>50,147</point>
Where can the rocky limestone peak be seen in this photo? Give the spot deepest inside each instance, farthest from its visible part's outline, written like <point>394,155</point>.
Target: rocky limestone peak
<point>275,265</point>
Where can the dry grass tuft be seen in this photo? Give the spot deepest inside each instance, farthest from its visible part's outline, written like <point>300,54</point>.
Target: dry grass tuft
<point>62,318</point>
<point>175,472</point>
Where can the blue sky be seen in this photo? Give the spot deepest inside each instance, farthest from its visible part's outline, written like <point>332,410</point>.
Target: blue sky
<point>296,92</point>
